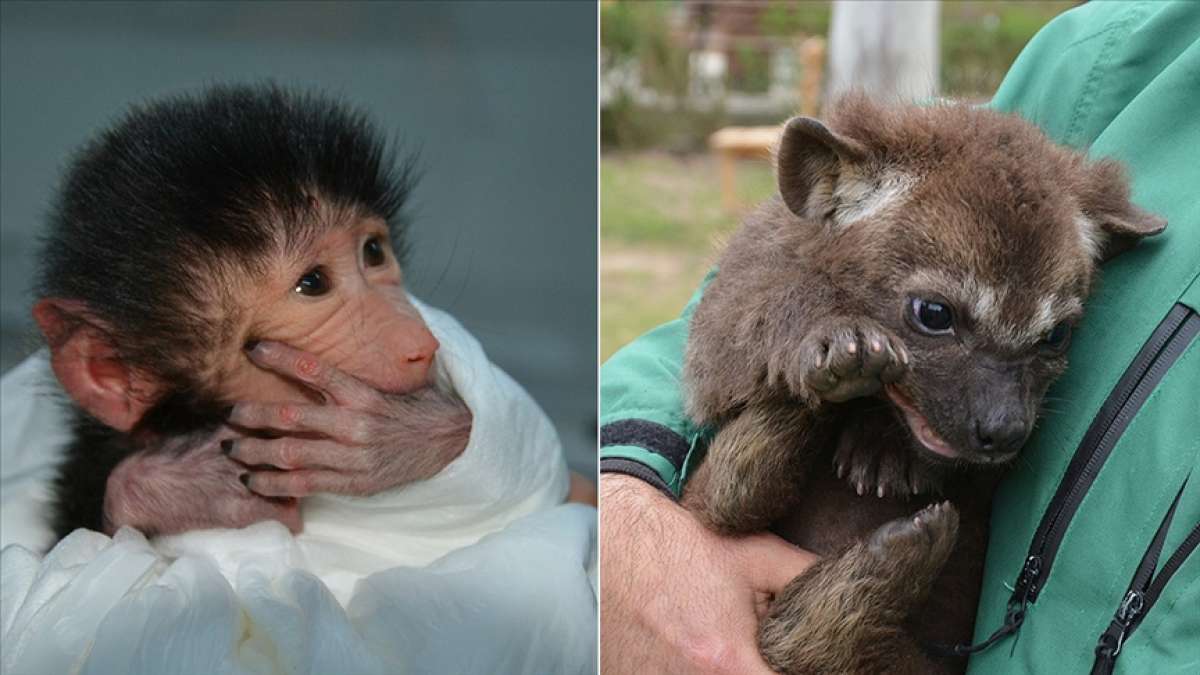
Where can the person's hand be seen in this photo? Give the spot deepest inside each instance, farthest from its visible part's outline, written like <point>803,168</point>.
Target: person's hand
<point>187,483</point>
<point>359,442</point>
<point>582,491</point>
<point>676,597</point>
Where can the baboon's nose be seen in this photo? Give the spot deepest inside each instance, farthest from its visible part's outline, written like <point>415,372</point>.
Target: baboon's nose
<point>1000,434</point>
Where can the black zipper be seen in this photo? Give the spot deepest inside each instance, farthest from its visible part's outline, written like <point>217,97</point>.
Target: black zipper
<point>1143,592</point>
<point>1166,344</point>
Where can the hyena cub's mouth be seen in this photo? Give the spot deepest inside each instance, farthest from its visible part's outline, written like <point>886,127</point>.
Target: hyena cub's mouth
<point>919,426</point>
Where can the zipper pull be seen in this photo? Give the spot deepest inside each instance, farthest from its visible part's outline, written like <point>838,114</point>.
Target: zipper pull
<point>1113,638</point>
<point>1013,617</point>
<point>1026,588</point>
<point>1131,607</point>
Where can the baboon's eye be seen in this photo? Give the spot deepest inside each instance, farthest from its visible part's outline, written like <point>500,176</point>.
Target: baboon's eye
<point>313,282</point>
<point>373,252</point>
<point>931,317</point>
<point>1058,337</point>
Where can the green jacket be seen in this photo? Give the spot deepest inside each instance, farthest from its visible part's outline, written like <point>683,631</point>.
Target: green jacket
<point>1076,524</point>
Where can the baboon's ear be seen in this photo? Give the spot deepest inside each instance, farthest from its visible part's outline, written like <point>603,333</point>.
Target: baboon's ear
<point>1111,223</point>
<point>88,367</point>
<point>810,162</point>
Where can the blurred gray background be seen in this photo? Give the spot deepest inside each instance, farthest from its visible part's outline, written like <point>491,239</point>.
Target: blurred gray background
<point>500,98</point>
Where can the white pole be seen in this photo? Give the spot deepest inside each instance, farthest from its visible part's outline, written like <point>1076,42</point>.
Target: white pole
<point>887,49</point>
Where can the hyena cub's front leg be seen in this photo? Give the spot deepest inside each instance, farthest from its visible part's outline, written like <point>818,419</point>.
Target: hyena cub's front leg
<point>757,461</point>
<point>846,613</point>
<point>750,473</point>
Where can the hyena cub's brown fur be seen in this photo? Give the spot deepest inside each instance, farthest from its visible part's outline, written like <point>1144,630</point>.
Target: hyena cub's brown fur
<point>880,337</point>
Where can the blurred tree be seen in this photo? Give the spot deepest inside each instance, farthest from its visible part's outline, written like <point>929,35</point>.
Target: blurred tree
<point>646,70</point>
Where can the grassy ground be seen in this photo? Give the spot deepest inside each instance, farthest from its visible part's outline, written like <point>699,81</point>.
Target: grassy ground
<point>661,223</point>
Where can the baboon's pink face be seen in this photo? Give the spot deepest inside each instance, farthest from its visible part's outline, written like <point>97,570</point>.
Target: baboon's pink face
<point>343,300</point>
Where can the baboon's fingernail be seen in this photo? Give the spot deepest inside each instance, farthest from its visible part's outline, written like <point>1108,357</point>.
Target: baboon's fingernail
<point>876,347</point>
<point>879,491</point>
<point>860,489</point>
<point>250,345</point>
<point>851,348</point>
<point>227,412</point>
<point>227,446</point>
<point>245,478</point>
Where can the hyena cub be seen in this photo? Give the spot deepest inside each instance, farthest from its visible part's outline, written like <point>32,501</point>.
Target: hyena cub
<point>878,337</point>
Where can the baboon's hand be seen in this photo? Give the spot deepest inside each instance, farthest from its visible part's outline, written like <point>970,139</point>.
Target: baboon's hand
<point>360,442</point>
<point>188,484</point>
<point>845,357</point>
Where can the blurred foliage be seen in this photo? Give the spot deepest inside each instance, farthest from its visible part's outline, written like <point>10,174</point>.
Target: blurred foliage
<point>980,39</point>
<point>788,19</point>
<point>625,124</point>
<point>750,69</point>
<point>639,33</point>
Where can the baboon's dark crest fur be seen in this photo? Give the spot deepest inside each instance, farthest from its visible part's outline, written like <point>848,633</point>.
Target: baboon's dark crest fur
<point>838,414</point>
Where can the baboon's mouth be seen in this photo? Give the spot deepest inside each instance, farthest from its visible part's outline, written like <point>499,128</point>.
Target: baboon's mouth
<point>919,426</point>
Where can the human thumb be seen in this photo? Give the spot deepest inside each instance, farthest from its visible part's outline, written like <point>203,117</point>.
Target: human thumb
<point>770,562</point>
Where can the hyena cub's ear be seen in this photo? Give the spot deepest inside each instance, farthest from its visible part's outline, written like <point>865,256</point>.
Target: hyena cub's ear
<point>810,161</point>
<point>1110,223</point>
<point>831,177</point>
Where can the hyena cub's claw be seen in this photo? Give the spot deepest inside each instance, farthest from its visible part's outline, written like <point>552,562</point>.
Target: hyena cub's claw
<point>881,470</point>
<point>847,357</point>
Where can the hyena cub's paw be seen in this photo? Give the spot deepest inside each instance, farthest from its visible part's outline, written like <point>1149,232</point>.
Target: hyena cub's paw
<point>846,357</point>
<point>915,548</point>
<point>882,470</point>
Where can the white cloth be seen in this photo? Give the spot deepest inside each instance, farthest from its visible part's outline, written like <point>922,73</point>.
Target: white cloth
<point>479,569</point>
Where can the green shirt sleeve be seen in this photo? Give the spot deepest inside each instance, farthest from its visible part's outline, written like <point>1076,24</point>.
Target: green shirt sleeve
<point>642,420</point>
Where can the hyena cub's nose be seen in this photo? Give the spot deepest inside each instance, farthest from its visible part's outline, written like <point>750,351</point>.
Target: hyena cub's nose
<point>1000,434</point>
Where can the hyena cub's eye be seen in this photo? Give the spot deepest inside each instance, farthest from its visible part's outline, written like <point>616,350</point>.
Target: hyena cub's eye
<point>931,317</point>
<point>1058,337</point>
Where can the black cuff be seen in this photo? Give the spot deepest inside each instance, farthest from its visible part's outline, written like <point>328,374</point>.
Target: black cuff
<point>659,439</point>
<point>636,469</point>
